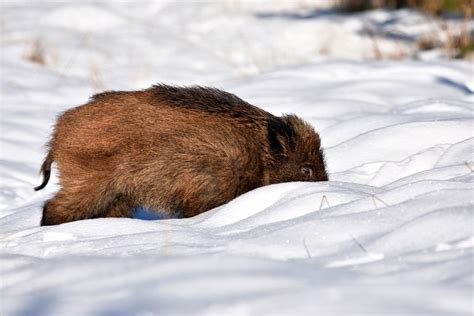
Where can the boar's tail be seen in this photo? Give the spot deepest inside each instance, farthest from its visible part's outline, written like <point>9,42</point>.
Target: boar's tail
<point>45,171</point>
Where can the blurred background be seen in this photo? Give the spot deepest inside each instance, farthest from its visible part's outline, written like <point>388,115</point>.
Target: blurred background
<point>132,44</point>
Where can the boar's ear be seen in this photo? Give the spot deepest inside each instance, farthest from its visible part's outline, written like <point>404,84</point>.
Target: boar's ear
<point>280,136</point>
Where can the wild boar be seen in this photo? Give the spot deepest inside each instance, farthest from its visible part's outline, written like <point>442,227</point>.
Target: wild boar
<point>171,149</point>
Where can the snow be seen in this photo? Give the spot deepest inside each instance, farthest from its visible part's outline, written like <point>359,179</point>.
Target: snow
<point>392,232</point>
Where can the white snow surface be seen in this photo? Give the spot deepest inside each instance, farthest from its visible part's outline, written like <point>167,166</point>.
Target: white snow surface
<point>390,233</point>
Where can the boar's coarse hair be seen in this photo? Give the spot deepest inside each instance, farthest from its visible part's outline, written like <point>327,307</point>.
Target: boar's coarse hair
<point>171,149</point>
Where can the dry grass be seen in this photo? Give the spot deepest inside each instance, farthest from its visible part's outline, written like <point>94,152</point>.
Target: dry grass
<point>95,79</point>
<point>36,52</point>
<point>468,166</point>
<point>324,200</point>
<point>430,6</point>
<point>455,41</point>
<point>375,199</point>
<point>308,253</point>
<point>358,244</point>
<point>375,44</point>
<point>396,54</point>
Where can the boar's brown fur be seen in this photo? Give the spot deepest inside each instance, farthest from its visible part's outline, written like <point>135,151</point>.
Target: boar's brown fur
<point>171,149</point>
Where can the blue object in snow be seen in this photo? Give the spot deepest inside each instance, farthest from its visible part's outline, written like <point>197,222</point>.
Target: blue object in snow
<point>144,213</point>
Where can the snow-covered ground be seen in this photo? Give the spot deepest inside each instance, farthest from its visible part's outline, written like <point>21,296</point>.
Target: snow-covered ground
<point>391,233</point>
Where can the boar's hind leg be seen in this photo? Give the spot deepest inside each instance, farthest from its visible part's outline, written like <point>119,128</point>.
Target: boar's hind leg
<point>71,206</point>
<point>59,209</point>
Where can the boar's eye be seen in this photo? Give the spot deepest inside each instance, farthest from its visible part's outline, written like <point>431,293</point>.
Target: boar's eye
<point>307,171</point>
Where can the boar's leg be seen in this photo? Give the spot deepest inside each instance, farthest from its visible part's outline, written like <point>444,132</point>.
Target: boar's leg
<point>59,209</point>
<point>68,206</point>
